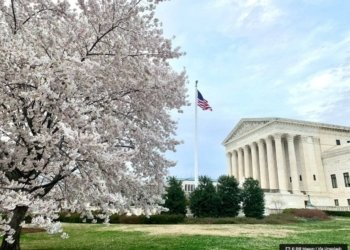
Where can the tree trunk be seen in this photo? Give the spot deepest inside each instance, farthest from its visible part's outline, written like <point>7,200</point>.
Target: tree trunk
<point>18,216</point>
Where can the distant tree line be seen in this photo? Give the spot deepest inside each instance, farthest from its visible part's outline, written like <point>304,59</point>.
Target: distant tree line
<point>224,200</point>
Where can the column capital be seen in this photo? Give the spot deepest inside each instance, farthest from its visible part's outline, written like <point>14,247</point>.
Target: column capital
<point>252,144</point>
<point>290,137</point>
<point>306,138</point>
<point>277,136</point>
<point>260,142</point>
<point>268,138</point>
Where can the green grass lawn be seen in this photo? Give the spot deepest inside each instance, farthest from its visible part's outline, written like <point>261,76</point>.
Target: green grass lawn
<point>96,237</point>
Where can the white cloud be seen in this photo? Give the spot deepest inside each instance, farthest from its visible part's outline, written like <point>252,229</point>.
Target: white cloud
<point>321,94</point>
<point>320,82</point>
<point>325,51</point>
<point>245,16</point>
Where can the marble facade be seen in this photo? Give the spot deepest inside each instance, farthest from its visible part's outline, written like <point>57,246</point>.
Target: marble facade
<point>294,161</point>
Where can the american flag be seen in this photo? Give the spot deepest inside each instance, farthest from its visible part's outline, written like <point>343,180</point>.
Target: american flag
<point>202,103</point>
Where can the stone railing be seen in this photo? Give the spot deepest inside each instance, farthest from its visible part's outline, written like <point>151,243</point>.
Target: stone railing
<point>333,208</point>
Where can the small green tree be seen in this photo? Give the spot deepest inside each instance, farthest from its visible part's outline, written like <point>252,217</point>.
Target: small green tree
<point>229,195</point>
<point>204,201</point>
<point>175,199</point>
<point>253,199</point>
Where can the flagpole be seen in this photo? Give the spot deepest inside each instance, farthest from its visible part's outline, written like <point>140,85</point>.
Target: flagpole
<point>195,139</point>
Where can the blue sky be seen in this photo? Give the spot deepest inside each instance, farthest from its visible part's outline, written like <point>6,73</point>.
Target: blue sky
<point>257,58</point>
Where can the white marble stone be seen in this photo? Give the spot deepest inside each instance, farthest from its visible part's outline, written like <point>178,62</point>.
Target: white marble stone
<point>293,160</point>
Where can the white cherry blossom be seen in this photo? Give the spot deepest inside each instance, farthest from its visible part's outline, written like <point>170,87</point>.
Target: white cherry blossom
<point>85,101</point>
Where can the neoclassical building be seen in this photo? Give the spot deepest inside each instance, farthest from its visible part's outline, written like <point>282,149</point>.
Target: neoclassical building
<point>296,162</point>
<point>188,185</point>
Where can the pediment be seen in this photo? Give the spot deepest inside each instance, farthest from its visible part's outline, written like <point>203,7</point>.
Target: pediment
<point>244,127</point>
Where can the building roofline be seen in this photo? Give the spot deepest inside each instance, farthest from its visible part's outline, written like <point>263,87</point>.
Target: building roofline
<point>270,120</point>
<point>336,151</point>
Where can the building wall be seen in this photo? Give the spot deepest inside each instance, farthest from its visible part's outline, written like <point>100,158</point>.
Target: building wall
<point>337,162</point>
<point>188,185</point>
<point>317,157</point>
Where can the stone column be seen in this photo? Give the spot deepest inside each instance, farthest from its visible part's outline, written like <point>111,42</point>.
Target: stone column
<point>234,162</point>
<point>320,174</point>
<point>240,165</point>
<point>309,167</point>
<point>264,182</point>
<point>247,172</point>
<point>229,163</point>
<point>281,165</point>
<point>271,164</point>
<point>293,164</point>
<point>255,166</point>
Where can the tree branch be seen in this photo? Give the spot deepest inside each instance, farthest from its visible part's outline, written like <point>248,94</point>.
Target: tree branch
<point>116,25</point>
<point>33,15</point>
<point>14,16</point>
<point>102,54</point>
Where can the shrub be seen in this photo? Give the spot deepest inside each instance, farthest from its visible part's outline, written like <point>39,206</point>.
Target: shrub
<point>229,195</point>
<point>253,199</point>
<point>126,219</point>
<point>310,214</point>
<point>289,210</point>
<point>210,220</point>
<point>204,201</point>
<point>133,219</point>
<point>70,217</point>
<point>114,219</point>
<point>175,199</point>
<point>166,219</point>
<point>271,219</point>
<point>28,219</point>
<point>338,213</point>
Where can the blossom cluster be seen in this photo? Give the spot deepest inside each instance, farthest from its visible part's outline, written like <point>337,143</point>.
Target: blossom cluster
<point>85,98</point>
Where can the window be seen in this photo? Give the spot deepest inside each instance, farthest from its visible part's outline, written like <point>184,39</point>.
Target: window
<point>306,203</point>
<point>334,181</point>
<point>290,179</point>
<point>348,141</point>
<point>336,202</point>
<point>314,177</point>
<point>346,179</point>
<point>300,178</point>
<point>337,142</point>
<point>349,202</point>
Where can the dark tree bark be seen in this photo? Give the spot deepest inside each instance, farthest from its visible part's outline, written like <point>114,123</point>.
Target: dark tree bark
<point>18,216</point>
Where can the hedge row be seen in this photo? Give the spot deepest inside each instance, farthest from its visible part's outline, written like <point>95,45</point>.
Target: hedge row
<point>124,219</point>
<point>175,219</point>
<point>338,213</point>
<point>313,214</point>
<point>271,219</point>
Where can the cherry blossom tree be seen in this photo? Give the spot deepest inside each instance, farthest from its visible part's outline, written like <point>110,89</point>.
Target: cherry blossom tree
<point>86,92</point>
